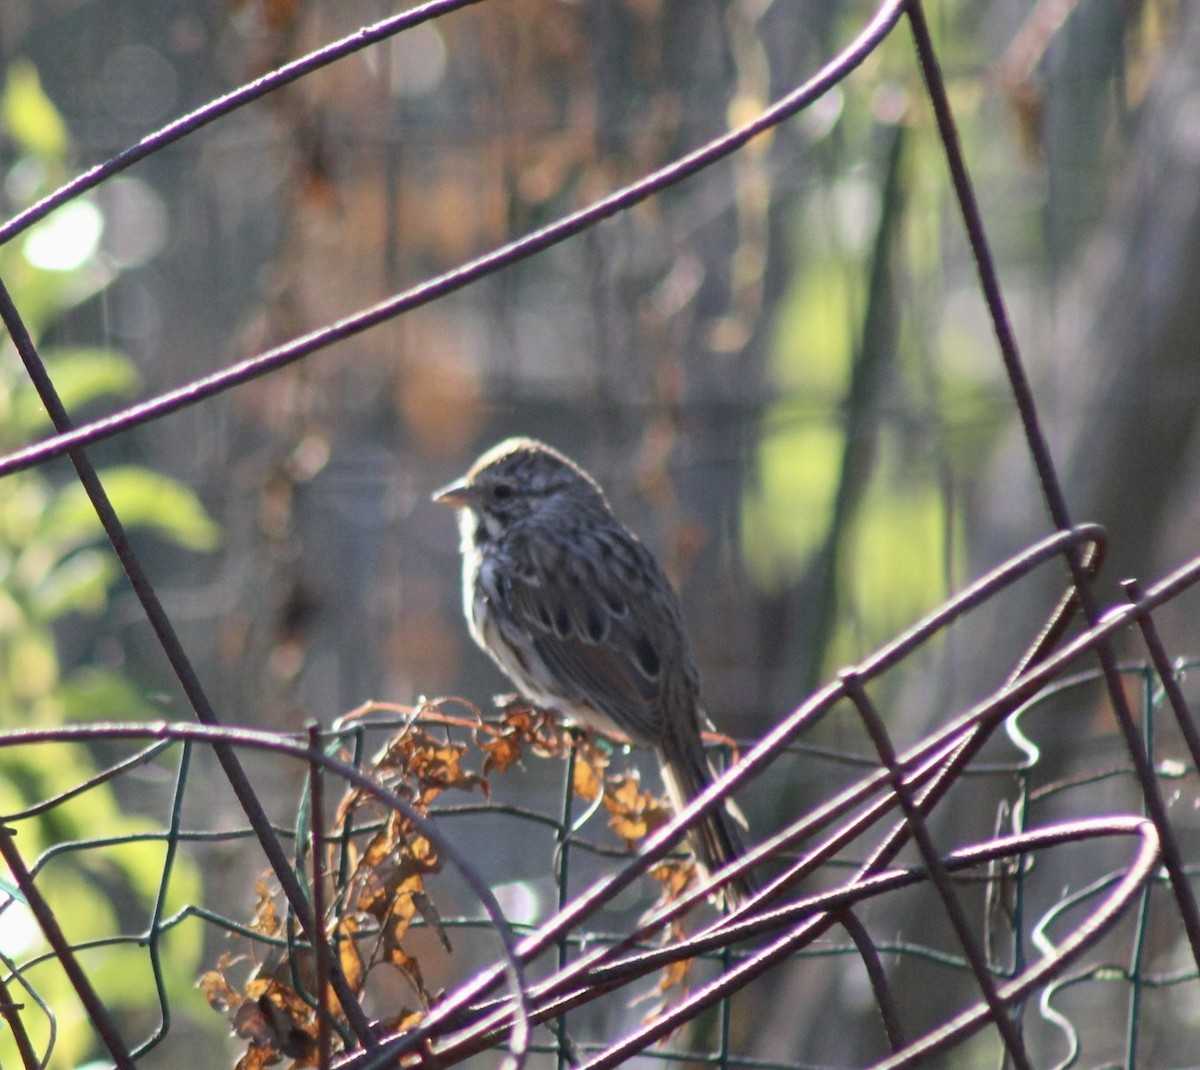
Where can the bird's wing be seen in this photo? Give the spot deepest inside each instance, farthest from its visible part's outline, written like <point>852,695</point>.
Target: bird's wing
<point>599,646</point>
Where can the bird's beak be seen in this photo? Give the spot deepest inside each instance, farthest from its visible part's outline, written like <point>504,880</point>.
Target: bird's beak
<point>459,495</point>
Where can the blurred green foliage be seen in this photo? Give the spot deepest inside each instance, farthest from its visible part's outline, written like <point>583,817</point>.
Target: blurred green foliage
<point>54,563</point>
<point>881,415</point>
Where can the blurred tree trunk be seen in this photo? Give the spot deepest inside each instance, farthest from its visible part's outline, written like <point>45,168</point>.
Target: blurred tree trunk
<point>1120,377</point>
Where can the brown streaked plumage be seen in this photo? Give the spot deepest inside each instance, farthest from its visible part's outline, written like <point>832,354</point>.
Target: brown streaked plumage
<point>579,615</point>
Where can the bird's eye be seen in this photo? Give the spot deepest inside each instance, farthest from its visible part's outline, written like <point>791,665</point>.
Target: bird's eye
<point>501,491</point>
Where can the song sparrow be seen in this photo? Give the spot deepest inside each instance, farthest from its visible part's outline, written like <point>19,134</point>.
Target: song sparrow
<point>578,614</point>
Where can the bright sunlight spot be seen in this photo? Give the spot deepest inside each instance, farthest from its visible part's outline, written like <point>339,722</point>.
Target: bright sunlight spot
<point>65,240</point>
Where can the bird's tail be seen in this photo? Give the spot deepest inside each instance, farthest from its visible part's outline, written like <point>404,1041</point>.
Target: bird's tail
<point>714,840</point>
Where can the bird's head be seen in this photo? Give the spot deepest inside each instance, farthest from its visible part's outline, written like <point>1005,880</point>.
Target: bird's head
<point>516,479</point>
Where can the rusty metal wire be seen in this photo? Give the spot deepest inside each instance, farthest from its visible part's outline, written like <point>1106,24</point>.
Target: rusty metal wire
<point>825,875</point>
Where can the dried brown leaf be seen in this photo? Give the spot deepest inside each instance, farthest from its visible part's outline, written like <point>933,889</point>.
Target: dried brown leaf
<point>221,995</point>
<point>502,752</point>
<point>277,1023</point>
<point>633,812</point>
<point>348,954</point>
<point>629,827</point>
<point>674,974</point>
<point>257,1057</point>
<point>266,917</point>
<point>388,861</point>
<point>250,1023</point>
<point>422,855</point>
<point>440,767</point>
<point>521,718</point>
<point>382,844</point>
<point>538,729</point>
<point>625,795</point>
<point>403,909</point>
<point>432,918</point>
<point>372,893</point>
<point>673,876</point>
<point>587,783</point>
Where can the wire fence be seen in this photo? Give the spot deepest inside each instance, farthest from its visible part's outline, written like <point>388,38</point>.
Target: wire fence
<point>377,940</point>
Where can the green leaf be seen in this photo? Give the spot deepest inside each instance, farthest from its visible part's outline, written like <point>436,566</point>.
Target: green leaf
<point>813,344</point>
<point>81,375</point>
<point>785,515</point>
<point>142,499</point>
<point>31,118</point>
<point>43,294</point>
<point>32,665</point>
<point>78,583</point>
<point>96,694</point>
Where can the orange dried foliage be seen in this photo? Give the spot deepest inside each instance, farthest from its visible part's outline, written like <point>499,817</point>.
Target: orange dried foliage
<point>348,955</point>
<point>674,876</point>
<point>678,972</point>
<point>588,782</point>
<point>214,984</point>
<point>634,813</point>
<point>372,911</point>
<point>520,727</point>
<point>277,1023</point>
<point>266,918</point>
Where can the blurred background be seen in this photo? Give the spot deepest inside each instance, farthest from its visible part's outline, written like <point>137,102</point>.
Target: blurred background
<point>781,370</point>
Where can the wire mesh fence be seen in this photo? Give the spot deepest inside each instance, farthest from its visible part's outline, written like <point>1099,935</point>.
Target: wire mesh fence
<point>391,797</point>
<point>1001,891</point>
